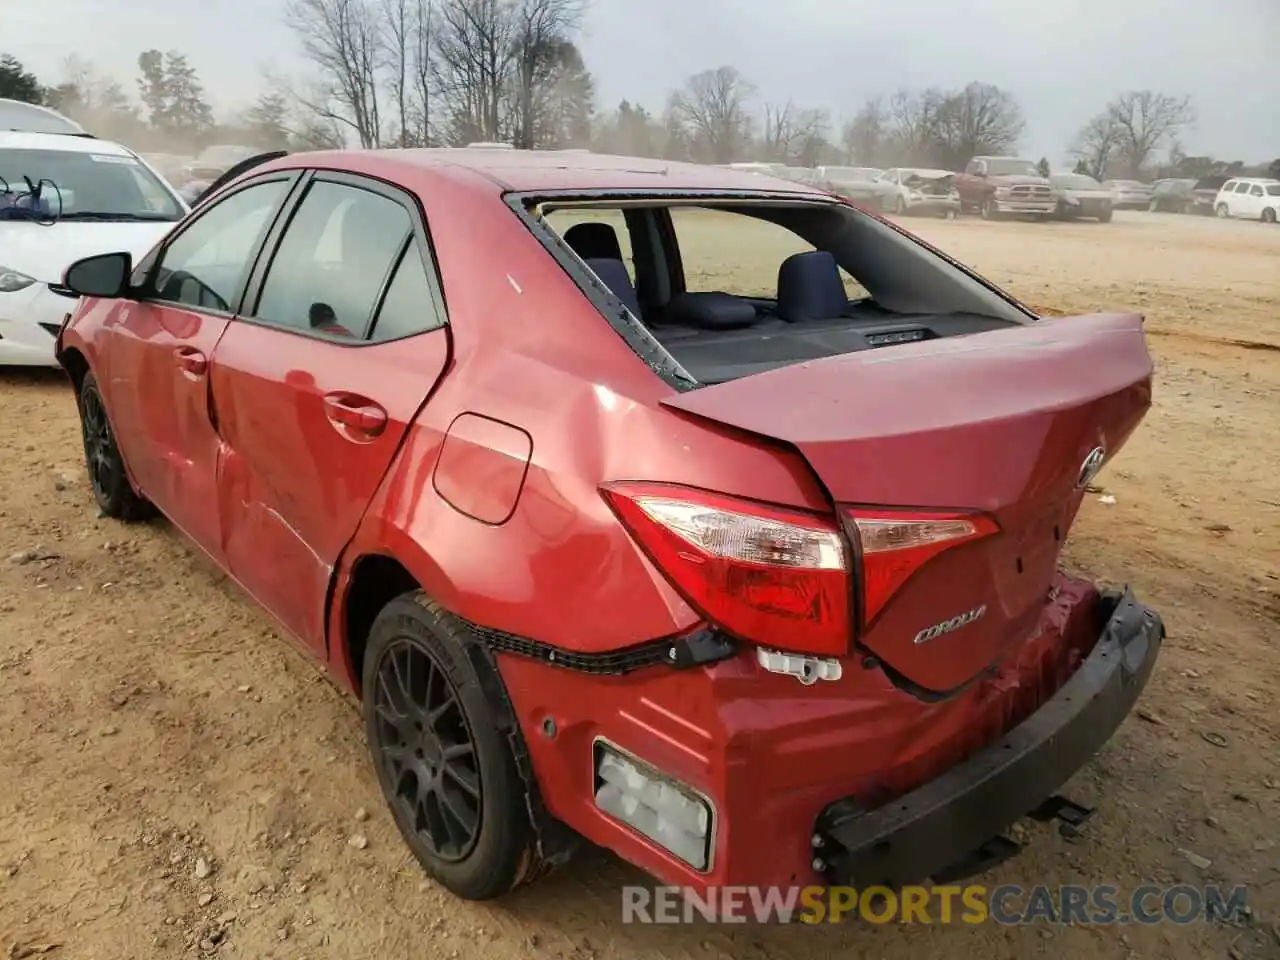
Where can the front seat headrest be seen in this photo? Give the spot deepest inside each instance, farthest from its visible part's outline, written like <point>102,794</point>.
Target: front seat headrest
<point>810,288</point>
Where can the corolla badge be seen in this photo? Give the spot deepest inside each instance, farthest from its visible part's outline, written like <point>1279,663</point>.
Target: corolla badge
<point>1089,469</point>
<point>946,626</point>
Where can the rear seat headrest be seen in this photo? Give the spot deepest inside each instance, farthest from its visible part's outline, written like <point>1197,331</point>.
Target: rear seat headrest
<point>810,288</point>
<point>592,240</point>
<point>710,311</point>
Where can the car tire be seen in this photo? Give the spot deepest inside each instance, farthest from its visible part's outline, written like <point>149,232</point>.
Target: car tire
<point>1153,206</point>
<point>1269,215</point>
<point>443,757</point>
<point>108,478</point>
<point>1222,211</point>
<point>990,209</point>
<point>950,214</point>
<point>1105,216</point>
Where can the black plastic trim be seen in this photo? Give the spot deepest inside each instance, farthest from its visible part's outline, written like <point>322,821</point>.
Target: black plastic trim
<point>955,818</point>
<point>695,649</point>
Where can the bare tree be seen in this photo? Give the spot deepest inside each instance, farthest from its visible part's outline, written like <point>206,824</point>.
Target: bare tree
<point>914,121</point>
<point>1144,120</point>
<point>713,106</point>
<point>473,45</point>
<point>980,119</point>
<point>96,101</point>
<point>865,138</point>
<point>541,29</point>
<point>397,25</point>
<point>563,100</point>
<point>406,38</point>
<point>810,143</point>
<point>318,133</point>
<point>1096,146</point>
<point>420,53</point>
<point>343,40</point>
<point>779,131</point>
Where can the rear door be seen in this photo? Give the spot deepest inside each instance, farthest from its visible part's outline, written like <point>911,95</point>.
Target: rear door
<point>1251,206</point>
<point>341,340</point>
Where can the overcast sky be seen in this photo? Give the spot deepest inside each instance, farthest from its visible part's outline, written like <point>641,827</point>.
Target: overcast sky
<point>1061,58</point>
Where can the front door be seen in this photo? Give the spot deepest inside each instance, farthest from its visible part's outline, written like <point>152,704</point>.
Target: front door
<point>315,386</point>
<point>158,386</point>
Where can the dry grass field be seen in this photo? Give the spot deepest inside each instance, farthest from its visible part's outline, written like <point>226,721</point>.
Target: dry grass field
<point>176,780</point>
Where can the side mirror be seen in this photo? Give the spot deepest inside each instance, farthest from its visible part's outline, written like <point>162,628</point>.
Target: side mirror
<point>106,275</point>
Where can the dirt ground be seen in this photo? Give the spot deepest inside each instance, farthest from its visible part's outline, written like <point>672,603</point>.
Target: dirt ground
<point>175,778</point>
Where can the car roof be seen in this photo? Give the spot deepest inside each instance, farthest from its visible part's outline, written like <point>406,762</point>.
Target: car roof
<point>67,142</point>
<point>534,171</point>
<point>19,115</point>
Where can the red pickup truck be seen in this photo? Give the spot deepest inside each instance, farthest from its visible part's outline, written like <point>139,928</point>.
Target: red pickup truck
<point>997,186</point>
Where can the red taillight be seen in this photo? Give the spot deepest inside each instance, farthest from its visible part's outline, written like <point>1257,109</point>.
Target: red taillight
<point>895,544</point>
<point>767,574</point>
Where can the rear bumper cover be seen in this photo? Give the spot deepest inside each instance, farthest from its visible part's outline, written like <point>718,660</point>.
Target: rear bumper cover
<point>930,830</point>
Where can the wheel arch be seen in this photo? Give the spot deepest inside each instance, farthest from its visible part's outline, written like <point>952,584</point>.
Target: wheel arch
<point>76,365</point>
<point>382,563</point>
<point>373,580</point>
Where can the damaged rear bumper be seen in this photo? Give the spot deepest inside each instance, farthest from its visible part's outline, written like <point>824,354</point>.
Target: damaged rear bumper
<point>952,826</point>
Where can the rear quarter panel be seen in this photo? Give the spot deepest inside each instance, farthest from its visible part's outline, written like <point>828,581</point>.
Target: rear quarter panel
<point>531,351</point>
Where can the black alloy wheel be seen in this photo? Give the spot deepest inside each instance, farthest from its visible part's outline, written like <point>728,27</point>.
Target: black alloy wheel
<point>107,475</point>
<point>444,741</point>
<point>426,751</point>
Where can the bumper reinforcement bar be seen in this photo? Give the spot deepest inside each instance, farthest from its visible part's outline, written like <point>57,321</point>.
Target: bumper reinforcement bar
<point>952,827</point>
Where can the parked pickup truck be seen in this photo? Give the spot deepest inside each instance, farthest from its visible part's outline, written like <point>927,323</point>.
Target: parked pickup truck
<point>996,186</point>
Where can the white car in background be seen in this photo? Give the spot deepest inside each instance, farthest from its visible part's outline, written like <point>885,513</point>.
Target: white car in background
<point>916,190</point>
<point>64,197</point>
<point>18,115</point>
<point>1249,198</point>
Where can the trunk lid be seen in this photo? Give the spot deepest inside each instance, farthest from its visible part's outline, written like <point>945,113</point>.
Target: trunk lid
<point>1003,422</point>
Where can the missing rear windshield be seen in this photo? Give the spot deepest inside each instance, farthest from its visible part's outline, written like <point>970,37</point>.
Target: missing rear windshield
<point>712,289</point>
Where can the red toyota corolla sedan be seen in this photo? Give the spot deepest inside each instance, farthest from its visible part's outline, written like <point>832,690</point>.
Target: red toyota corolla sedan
<point>750,575</point>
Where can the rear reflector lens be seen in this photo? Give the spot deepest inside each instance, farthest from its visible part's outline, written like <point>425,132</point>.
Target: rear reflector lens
<point>769,575</point>
<point>665,811</point>
<point>897,544</point>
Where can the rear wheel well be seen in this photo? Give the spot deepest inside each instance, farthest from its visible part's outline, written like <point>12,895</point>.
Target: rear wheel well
<point>76,365</point>
<point>376,580</point>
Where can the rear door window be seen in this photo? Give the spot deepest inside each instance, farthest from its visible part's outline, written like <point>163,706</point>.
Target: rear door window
<point>333,261</point>
<point>410,305</point>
